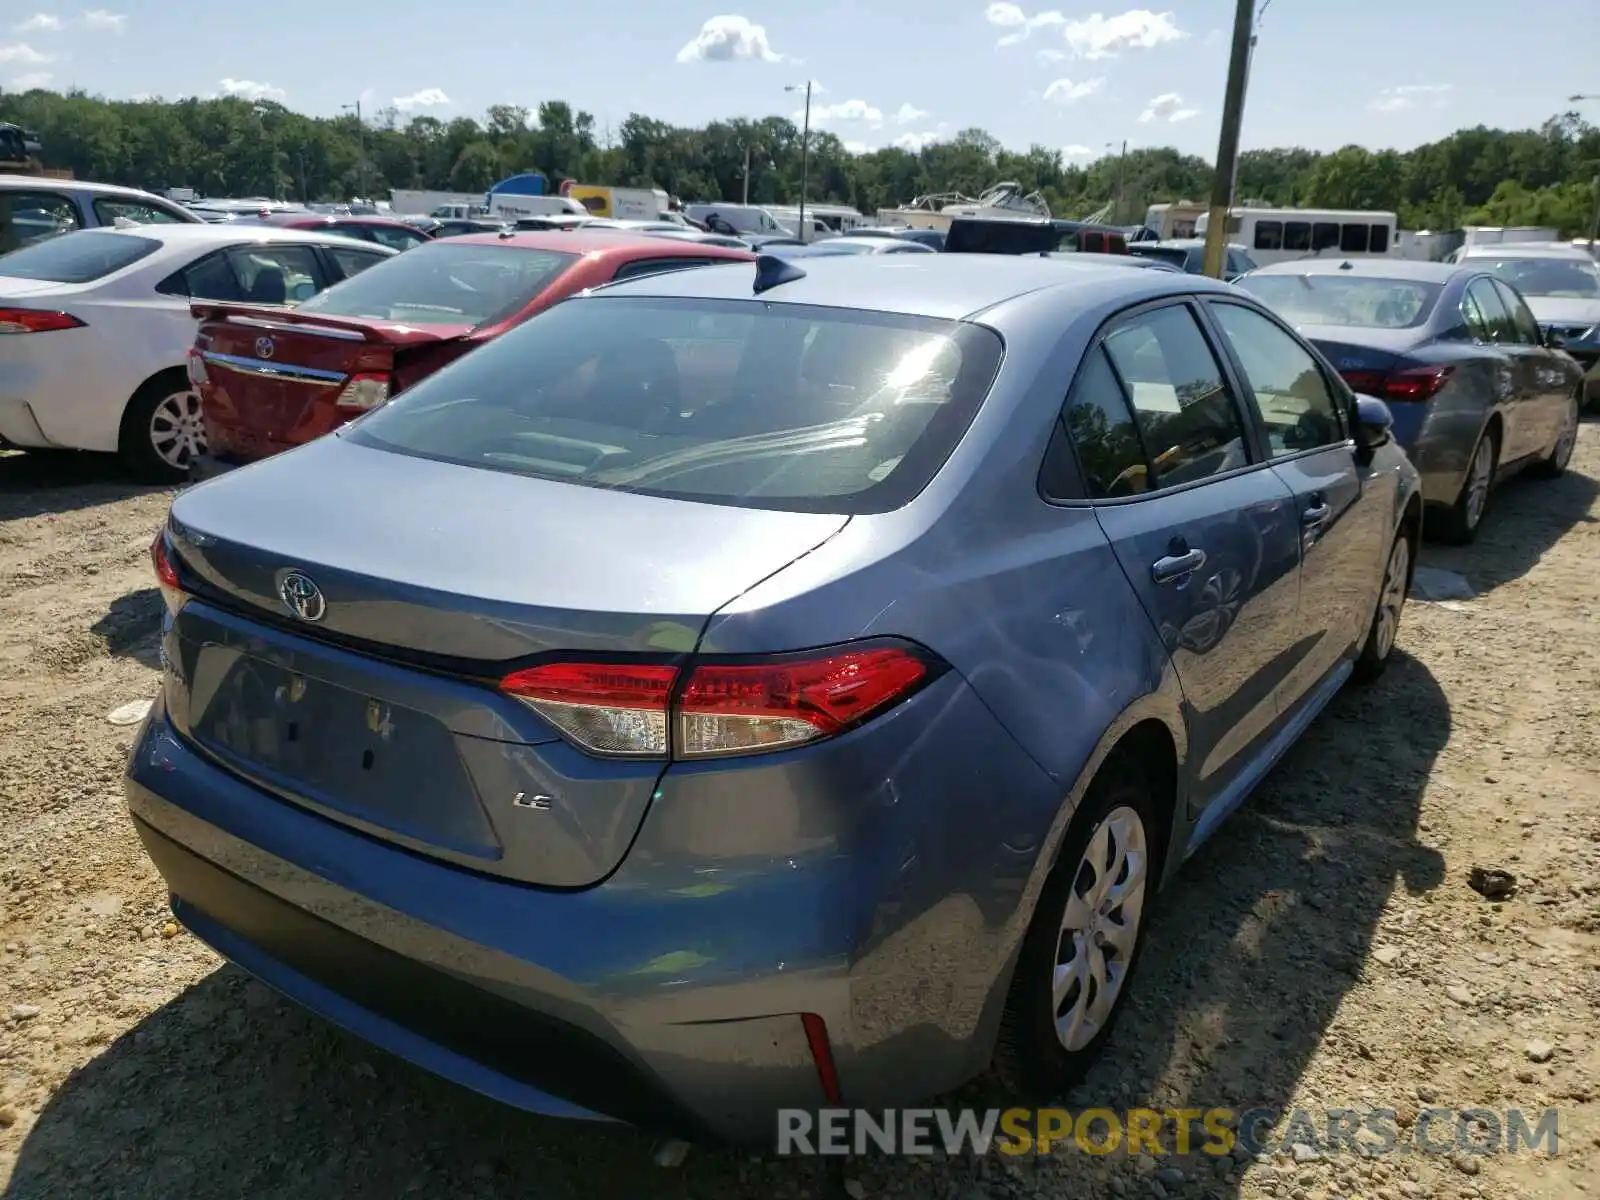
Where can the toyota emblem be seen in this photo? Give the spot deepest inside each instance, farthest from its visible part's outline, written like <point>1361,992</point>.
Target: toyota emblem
<point>264,347</point>
<point>302,597</point>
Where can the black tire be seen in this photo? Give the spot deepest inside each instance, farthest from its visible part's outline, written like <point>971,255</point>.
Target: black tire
<point>1554,464</point>
<point>1031,1061</point>
<point>1378,649</point>
<point>1458,525</point>
<point>136,446</point>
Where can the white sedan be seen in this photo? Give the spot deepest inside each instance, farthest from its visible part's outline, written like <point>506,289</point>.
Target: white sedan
<point>95,329</point>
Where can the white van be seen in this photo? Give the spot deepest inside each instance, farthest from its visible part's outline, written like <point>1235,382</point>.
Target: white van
<point>1272,235</point>
<point>744,218</point>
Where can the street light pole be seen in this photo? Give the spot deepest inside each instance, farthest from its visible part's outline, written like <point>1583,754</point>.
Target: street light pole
<point>805,157</point>
<point>1228,139</point>
<point>361,143</point>
<point>749,146</point>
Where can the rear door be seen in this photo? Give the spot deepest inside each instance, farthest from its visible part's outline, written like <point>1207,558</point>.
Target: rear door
<point>1549,378</point>
<point>1520,404</point>
<point>1205,532</point>
<point>1307,440</point>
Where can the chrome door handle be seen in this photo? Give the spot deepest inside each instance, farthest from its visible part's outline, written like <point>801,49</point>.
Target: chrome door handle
<point>1314,516</point>
<point>1177,566</point>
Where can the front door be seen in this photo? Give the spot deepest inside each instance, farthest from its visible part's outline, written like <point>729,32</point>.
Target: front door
<point>1206,535</point>
<point>1311,451</point>
<point>1521,407</point>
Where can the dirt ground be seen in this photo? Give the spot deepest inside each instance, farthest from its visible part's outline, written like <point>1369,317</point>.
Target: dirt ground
<point>1325,951</point>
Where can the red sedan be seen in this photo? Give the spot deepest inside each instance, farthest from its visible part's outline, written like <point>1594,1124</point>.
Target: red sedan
<point>386,231</point>
<point>271,379</point>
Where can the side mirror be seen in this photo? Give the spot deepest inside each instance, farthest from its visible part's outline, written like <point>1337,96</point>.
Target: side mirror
<point>1374,423</point>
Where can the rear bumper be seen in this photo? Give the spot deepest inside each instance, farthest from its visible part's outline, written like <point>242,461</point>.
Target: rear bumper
<point>670,994</point>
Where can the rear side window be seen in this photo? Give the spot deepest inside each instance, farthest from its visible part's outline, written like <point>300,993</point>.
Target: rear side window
<point>248,275</point>
<point>656,266</point>
<point>395,238</point>
<point>351,261</point>
<point>108,211</point>
<point>28,217</point>
<point>80,257</point>
<point>446,283</point>
<point>728,401</point>
<point>1168,380</point>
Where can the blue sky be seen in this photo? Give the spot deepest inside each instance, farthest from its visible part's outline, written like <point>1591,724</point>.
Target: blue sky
<point>1377,72</point>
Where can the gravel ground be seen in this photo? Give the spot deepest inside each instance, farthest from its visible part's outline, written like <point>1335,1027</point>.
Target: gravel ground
<point>1327,951</point>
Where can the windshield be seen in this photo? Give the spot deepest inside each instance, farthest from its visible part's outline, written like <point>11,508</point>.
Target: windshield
<point>445,283</point>
<point>1356,301</point>
<point>731,401</point>
<point>1566,278</point>
<point>78,257</point>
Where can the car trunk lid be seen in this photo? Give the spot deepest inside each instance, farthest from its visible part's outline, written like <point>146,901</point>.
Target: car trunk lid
<point>274,378</point>
<point>436,581</point>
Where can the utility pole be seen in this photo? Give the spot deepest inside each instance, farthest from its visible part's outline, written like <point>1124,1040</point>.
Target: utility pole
<point>749,147</point>
<point>805,158</point>
<point>361,143</point>
<point>1594,221</point>
<point>1228,139</point>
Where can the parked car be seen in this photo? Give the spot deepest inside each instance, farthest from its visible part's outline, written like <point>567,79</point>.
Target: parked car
<point>933,239</point>
<point>1561,284</point>
<point>386,231</point>
<point>1189,254</point>
<point>1476,394</point>
<point>457,226</point>
<point>96,325</point>
<point>267,389</point>
<point>753,688</point>
<point>850,246</point>
<point>37,207</point>
<point>703,239</point>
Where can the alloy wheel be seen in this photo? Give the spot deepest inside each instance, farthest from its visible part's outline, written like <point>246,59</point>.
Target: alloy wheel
<point>1100,927</point>
<point>1567,438</point>
<point>1478,481</point>
<point>177,431</point>
<point>1393,598</point>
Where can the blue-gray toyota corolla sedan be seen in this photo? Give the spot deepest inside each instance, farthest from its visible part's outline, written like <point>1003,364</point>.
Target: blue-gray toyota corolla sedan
<point>768,685</point>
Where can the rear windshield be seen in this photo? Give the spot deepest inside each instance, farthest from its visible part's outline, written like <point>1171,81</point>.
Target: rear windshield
<point>727,401</point>
<point>80,257</point>
<point>1356,301</point>
<point>1566,278</point>
<point>445,283</point>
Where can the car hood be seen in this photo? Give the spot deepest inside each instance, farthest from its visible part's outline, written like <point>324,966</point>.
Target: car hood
<point>1564,310</point>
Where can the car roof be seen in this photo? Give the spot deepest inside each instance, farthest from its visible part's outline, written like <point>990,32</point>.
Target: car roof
<point>76,185</point>
<point>1528,250</point>
<point>1371,268</point>
<point>231,233</point>
<point>303,219</point>
<point>947,286</point>
<point>603,243</point>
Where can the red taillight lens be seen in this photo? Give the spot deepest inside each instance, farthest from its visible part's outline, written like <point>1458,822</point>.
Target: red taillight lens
<point>1368,382</point>
<point>723,708</point>
<point>166,573</point>
<point>606,708</point>
<point>737,709</point>
<point>363,393</point>
<point>36,320</point>
<point>1417,383</point>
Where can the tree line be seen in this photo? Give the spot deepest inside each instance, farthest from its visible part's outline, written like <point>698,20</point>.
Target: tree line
<point>237,147</point>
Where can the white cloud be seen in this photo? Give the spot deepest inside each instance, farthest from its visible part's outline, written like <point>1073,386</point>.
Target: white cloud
<point>1099,36</point>
<point>103,21</point>
<point>22,54</point>
<point>426,98</point>
<point>728,39</point>
<point>39,23</point>
<point>1214,37</point>
<point>857,148</point>
<point>1076,151</point>
<point>1010,16</point>
<point>249,89</point>
<point>1064,91</point>
<point>1395,99</point>
<point>1050,56</point>
<point>908,114</point>
<point>916,142</point>
<point>845,110</point>
<point>1167,107</point>
<point>26,83</point>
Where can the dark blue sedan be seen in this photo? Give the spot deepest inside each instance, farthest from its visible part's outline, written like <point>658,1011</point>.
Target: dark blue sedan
<point>767,686</point>
<point>1476,392</point>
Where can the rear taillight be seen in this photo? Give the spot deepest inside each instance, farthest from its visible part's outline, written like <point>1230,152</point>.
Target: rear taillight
<point>197,368</point>
<point>36,320</point>
<point>166,572</point>
<point>364,393</point>
<point>1417,383</point>
<point>1411,384</point>
<point>720,708</point>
